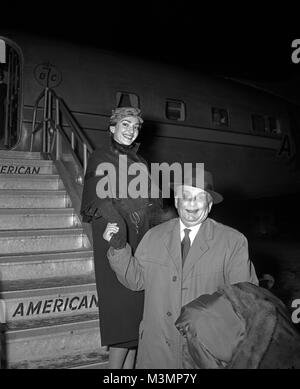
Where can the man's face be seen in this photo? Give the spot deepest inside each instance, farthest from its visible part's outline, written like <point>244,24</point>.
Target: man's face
<point>193,205</point>
<point>126,130</point>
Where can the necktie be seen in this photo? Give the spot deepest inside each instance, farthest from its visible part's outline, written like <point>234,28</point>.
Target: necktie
<point>185,244</point>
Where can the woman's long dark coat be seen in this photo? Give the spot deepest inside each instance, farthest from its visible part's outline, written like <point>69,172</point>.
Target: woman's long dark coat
<point>120,309</point>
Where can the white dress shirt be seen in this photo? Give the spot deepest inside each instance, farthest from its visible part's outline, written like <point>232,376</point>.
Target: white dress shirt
<point>192,233</point>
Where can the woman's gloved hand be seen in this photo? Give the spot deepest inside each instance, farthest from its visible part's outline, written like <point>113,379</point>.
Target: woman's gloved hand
<point>115,234</point>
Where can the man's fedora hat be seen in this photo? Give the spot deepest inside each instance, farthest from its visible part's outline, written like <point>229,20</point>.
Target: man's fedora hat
<point>207,184</point>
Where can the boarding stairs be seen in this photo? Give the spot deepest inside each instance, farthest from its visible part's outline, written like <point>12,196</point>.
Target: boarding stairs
<point>46,268</point>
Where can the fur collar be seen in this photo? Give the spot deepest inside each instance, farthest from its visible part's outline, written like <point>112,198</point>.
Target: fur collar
<point>260,323</point>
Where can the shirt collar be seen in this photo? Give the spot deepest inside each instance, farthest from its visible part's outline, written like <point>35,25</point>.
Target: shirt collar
<point>194,229</point>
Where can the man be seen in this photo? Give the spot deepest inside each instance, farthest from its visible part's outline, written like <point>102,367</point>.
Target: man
<point>176,262</point>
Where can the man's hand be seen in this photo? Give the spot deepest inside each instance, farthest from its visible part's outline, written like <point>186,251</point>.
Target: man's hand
<point>111,229</point>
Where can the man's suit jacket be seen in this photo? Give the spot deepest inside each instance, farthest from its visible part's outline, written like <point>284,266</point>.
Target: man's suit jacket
<point>218,256</point>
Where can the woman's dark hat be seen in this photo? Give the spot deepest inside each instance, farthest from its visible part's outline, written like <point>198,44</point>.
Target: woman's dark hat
<point>123,112</point>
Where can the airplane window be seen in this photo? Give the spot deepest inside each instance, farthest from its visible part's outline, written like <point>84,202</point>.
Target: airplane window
<point>265,124</point>
<point>274,126</point>
<point>220,117</point>
<point>258,123</point>
<point>175,110</point>
<point>126,99</point>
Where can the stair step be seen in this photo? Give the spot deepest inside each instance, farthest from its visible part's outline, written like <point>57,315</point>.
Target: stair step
<point>37,218</point>
<point>29,241</point>
<point>48,265</point>
<point>22,181</point>
<point>21,154</point>
<point>88,360</point>
<point>18,198</point>
<point>58,346</point>
<point>50,302</point>
<point>47,270</point>
<point>26,166</point>
<point>51,321</point>
<point>44,283</point>
<point>91,364</point>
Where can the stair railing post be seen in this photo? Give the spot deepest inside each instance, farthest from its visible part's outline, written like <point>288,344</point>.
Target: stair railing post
<point>33,127</point>
<point>35,109</point>
<point>58,136</point>
<point>49,116</point>
<point>85,157</point>
<point>72,140</point>
<point>44,136</point>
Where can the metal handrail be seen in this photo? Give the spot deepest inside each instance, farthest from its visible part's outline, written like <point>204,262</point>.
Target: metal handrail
<point>51,126</point>
<point>73,123</point>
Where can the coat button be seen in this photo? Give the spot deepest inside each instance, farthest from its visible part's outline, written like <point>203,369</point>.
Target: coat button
<point>169,313</point>
<point>174,278</point>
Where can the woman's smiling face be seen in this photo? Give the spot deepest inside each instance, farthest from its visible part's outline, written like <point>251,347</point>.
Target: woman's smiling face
<point>126,130</point>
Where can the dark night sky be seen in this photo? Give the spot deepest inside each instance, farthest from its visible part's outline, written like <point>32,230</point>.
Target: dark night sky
<point>249,43</point>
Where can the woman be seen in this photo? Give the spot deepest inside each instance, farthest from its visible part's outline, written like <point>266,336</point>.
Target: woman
<point>120,309</point>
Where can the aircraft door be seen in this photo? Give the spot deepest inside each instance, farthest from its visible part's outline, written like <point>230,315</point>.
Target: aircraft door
<point>10,94</point>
